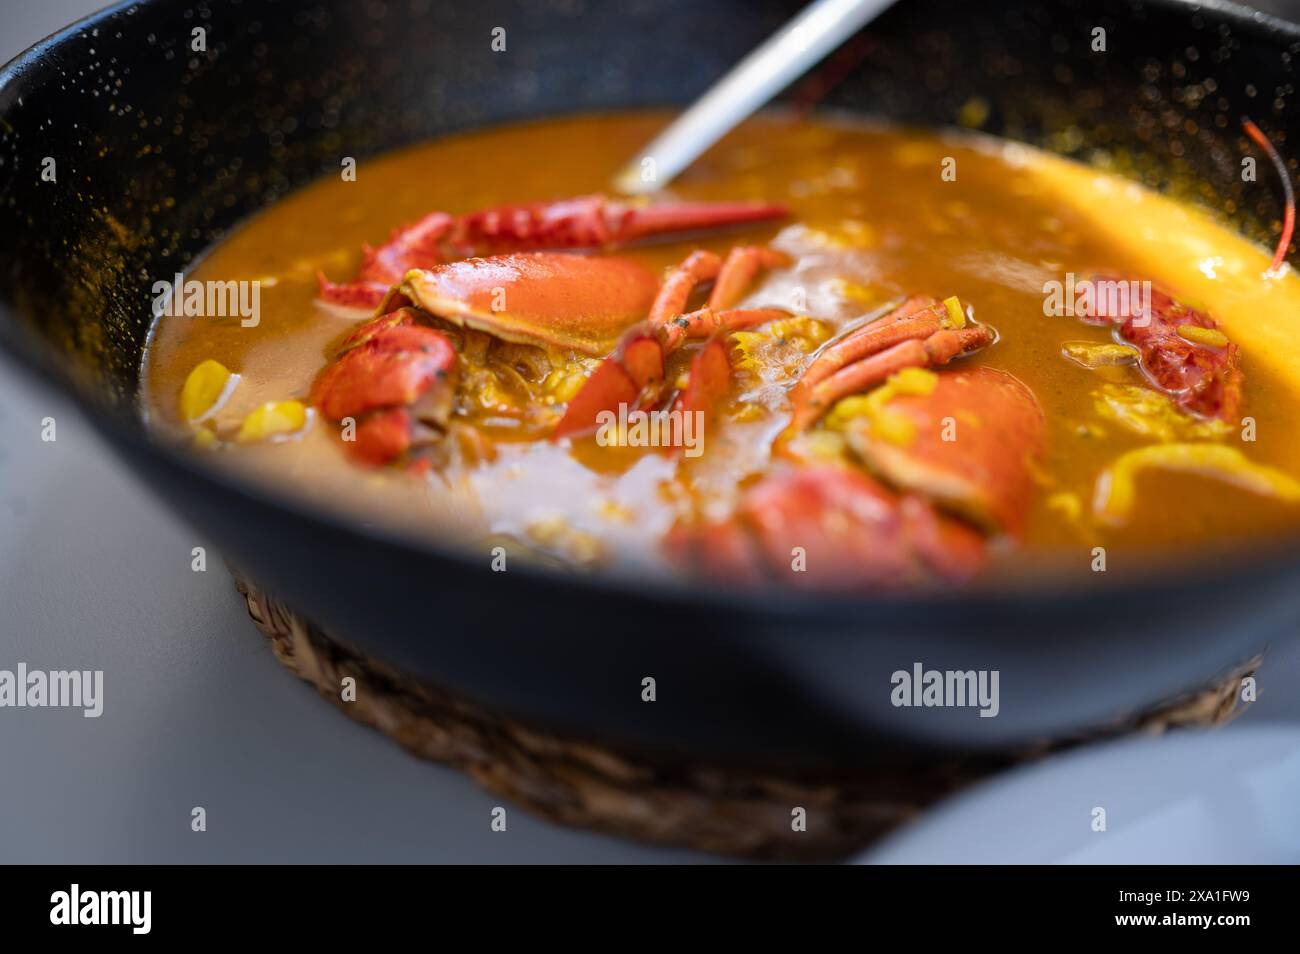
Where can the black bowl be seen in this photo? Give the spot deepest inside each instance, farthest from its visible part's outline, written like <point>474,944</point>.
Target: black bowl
<point>161,151</point>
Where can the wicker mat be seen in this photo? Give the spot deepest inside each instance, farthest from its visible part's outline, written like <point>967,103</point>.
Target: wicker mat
<point>706,808</point>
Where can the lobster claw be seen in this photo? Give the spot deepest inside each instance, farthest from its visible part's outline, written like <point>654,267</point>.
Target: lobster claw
<point>392,375</point>
<point>584,222</point>
<point>633,223</point>
<point>594,221</point>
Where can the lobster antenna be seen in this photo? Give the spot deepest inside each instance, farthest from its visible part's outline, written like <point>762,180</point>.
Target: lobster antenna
<point>1288,216</point>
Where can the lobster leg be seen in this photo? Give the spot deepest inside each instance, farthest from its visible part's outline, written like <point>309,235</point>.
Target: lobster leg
<point>739,271</point>
<point>362,296</point>
<point>699,267</point>
<point>869,355</point>
<point>936,349</point>
<point>915,317</point>
<point>707,322</point>
<point>730,279</point>
<point>637,366</point>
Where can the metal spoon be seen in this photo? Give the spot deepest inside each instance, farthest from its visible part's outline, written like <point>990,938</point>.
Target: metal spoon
<point>783,58</point>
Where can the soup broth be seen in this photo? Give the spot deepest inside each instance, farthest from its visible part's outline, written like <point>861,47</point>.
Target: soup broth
<point>875,214</point>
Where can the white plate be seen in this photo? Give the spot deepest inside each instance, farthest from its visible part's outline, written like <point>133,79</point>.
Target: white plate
<point>1193,797</point>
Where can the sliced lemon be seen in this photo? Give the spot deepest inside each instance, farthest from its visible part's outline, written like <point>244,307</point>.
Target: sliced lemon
<point>1116,493</point>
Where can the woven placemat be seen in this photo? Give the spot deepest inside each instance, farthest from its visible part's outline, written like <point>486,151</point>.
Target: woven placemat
<point>707,808</point>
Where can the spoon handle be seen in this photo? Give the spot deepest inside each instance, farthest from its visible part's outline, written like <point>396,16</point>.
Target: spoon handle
<point>785,56</point>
